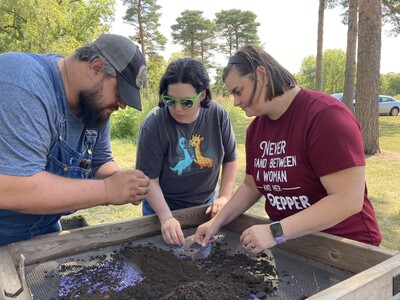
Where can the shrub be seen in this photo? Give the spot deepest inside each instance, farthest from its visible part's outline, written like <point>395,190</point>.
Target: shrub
<point>235,113</point>
<point>125,124</point>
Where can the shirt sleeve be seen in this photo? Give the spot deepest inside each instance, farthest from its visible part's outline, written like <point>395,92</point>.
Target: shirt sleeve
<point>335,141</point>
<point>26,118</point>
<point>228,137</point>
<point>149,151</point>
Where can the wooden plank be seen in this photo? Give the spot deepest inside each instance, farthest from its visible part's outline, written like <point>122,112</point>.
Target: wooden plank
<point>339,252</point>
<point>11,286</point>
<point>335,251</point>
<point>375,267</point>
<point>9,280</point>
<point>67,243</point>
<point>375,283</point>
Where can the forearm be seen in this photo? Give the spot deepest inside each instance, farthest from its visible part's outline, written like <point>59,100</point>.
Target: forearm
<point>157,200</point>
<point>328,212</point>
<point>245,197</point>
<point>228,177</point>
<point>46,193</point>
<point>345,198</point>
<point>106,170</point>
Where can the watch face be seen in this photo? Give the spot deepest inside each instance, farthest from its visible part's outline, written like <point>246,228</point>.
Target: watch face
<point>276,229</point>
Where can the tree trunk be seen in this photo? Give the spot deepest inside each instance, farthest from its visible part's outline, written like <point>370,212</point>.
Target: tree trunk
<point>351,55</point>
<point>368,69</point>
<point>318,83</point>
<point>139,9</point>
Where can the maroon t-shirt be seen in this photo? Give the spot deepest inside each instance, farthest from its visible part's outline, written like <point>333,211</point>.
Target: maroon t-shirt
<point>316,136</point>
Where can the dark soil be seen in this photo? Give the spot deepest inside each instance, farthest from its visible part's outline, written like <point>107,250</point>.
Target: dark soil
<point>163,275</point>
<point>68,223</point>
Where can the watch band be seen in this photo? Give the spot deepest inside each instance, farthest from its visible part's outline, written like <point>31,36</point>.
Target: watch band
<point>277,232</point>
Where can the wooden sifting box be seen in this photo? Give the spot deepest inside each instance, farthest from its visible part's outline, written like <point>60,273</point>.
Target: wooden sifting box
<point>376,270</point>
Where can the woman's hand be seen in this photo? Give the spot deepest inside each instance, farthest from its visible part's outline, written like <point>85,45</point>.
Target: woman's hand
<point>205,233</point>
<point>172,232</point>
<point>257,238</point>
<point>216,206</point>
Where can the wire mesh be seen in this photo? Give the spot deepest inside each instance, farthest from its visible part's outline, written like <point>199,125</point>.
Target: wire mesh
<point>297,277</point>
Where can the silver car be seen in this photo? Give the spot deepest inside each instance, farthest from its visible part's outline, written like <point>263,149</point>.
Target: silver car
<point>388,105</point>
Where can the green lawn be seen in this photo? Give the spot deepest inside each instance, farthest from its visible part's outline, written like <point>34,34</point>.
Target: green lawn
<point>382,175</point>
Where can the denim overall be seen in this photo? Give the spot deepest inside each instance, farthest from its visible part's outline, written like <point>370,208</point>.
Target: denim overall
<point>62,160</point>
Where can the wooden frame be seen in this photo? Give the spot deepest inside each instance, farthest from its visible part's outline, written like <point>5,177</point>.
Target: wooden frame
<point>377,270</point>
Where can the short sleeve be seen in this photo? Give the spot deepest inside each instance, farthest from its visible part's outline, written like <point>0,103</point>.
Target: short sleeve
<point>335,141</point>
<point>27,115</point>
<point>228,137</point>
<point>149,151</point>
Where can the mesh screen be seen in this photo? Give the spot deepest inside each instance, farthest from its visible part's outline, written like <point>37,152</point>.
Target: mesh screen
<point>298,277</point>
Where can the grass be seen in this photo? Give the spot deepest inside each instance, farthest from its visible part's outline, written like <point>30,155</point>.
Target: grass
<point>382,176</point>
<point>383,180</point>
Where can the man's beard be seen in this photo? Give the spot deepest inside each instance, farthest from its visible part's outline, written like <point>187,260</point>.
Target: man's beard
<point>92,114</point>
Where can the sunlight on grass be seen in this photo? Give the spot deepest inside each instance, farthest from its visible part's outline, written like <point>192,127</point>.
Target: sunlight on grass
<point>124,152</point>
<point>110,213</point>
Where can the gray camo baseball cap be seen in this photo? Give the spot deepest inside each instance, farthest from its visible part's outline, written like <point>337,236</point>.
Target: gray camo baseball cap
<point>130,64</point>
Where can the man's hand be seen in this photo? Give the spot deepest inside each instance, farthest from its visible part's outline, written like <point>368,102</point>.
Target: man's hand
<point>126,187</point>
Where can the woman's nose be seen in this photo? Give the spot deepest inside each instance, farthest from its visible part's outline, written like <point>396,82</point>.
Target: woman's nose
<point>236,101</point>
<point>178,107</point>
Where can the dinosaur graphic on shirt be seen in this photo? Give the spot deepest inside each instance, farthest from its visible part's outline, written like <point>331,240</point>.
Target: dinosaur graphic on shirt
<point>186,161</point>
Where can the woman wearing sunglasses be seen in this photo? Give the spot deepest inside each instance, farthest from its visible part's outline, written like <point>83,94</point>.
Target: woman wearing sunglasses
<point>183,145</point>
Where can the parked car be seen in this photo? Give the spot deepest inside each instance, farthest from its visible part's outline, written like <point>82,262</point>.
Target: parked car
<point>387,104</point>
<point>339,96</point>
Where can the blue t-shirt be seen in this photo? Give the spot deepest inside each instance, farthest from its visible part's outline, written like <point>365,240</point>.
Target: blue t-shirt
<point>28,116</point>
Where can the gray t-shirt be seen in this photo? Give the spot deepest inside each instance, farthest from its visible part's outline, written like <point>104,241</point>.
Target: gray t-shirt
<point>28,117</point>
<point>186,157</point>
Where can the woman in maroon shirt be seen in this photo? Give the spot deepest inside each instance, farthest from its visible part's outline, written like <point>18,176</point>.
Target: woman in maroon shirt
<point>304,153</point>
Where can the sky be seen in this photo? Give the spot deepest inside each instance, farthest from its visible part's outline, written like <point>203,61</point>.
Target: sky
<point>288,28</point>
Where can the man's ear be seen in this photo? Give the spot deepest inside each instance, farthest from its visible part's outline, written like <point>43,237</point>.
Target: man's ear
<point>96,67</point>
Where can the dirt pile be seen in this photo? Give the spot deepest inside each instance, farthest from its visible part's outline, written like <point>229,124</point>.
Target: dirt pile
<point>146,272</point>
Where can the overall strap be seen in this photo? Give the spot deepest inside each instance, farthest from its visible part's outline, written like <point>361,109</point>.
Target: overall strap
<point>60,104</point>
<point>46,66</point>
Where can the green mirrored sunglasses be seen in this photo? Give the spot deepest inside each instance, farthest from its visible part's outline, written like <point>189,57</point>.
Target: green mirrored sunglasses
<point>184,102</point>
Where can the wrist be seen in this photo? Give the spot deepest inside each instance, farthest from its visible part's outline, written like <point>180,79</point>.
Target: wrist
<point>165,217</point>
<point>104,199</point>
<point>277,233</point>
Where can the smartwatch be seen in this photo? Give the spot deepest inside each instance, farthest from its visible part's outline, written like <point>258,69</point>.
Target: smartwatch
<point>277,232</point>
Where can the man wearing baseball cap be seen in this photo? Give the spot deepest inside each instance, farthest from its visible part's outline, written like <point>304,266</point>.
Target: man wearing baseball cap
<point>129,63</point>
<point>55,137</point>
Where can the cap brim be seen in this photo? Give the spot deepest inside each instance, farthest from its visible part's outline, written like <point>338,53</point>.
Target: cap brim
<point>128,93</point>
